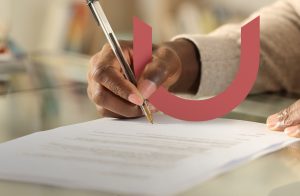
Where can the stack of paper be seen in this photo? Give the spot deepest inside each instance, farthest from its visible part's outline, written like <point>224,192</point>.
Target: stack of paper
<point>135,157</point>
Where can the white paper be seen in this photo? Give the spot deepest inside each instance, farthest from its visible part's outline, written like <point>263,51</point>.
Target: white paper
<point>135,157</point>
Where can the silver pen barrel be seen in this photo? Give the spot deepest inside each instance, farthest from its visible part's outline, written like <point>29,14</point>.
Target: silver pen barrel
<point>102,21</point>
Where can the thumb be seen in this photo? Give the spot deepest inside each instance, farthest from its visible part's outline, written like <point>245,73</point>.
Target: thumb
<point>286,118</point>
<point>164,70</point>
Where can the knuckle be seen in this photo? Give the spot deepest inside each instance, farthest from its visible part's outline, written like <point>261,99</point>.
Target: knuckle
<point>99,97</point>
<point>163,51</point>
<point>100,61</point>
<point>97,68</point>
<point>114,86</point>
<point>291,115</point>
<point>288,121</point>
<point>116,89</point>
<point>287,117</point>
<point>107,81</point>
<point>94,60</point>
<point>106,50</point>
<point>106,47</point>
<point>101,73</point>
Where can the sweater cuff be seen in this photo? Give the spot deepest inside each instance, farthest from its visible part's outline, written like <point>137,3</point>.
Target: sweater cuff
<point>219,58</point>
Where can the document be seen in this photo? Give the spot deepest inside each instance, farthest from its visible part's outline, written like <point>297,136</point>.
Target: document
<point>133,157</point>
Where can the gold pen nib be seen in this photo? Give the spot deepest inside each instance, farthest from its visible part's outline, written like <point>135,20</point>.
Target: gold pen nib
<point>147,112</point>
<point>149,117</point>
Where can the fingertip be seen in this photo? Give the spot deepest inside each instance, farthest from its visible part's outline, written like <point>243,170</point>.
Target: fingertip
<point>288,131</point>
<point>293,131</point>
<point>272,121</point>
<point>136,99</point>
<point>147,88</point>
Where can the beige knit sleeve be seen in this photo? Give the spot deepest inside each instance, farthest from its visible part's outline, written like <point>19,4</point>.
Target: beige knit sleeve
<point>280,52</point>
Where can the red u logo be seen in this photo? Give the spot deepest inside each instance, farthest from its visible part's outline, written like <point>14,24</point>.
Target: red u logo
<point>218,106</point>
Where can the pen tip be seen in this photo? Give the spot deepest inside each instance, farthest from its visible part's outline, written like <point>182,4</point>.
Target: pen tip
<point>150,119</point>
<point>147,112</point>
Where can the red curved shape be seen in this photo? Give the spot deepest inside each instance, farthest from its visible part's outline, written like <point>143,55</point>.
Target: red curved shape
<point>236,93</point>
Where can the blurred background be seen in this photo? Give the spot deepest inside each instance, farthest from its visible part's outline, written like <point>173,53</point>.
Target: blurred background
<point>45,47</point>
<point>66,24</point>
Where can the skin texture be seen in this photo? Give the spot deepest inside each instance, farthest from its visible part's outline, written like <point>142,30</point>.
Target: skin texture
<point>175,66</point>
<point>288,120</point>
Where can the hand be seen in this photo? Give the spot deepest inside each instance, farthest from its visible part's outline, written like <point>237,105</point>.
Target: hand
<point>288,120</point>
<point>174,66</point>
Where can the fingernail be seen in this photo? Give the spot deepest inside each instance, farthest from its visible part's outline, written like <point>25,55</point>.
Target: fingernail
<point>292,131</point>
<point>273,121</point>
<point>136,99</point>
<point>147,88</point>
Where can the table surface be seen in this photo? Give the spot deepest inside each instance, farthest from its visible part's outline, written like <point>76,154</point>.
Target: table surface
<point>48,90</point>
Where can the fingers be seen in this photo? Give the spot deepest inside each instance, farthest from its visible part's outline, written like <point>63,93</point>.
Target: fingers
<point>110,105</point>
<point>117,106</point>
<point>293,131</point>
<point>163,70</point>
<point>286,118</point>
<point>114,81</point>
<point>106,71</point>
<point>113,95</point>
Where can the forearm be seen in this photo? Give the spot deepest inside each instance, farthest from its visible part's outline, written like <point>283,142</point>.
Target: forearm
<point>280,48</point>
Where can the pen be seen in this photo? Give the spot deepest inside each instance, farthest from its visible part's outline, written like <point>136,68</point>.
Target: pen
<point>102,21</point>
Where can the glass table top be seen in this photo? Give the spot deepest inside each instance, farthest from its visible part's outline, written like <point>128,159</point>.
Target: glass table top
<point>48,90</point>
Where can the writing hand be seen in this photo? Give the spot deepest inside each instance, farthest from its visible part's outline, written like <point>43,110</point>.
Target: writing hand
<point>174,66</point>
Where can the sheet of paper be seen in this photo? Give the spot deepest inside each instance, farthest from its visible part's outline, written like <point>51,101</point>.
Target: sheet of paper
<point>135,157</point>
